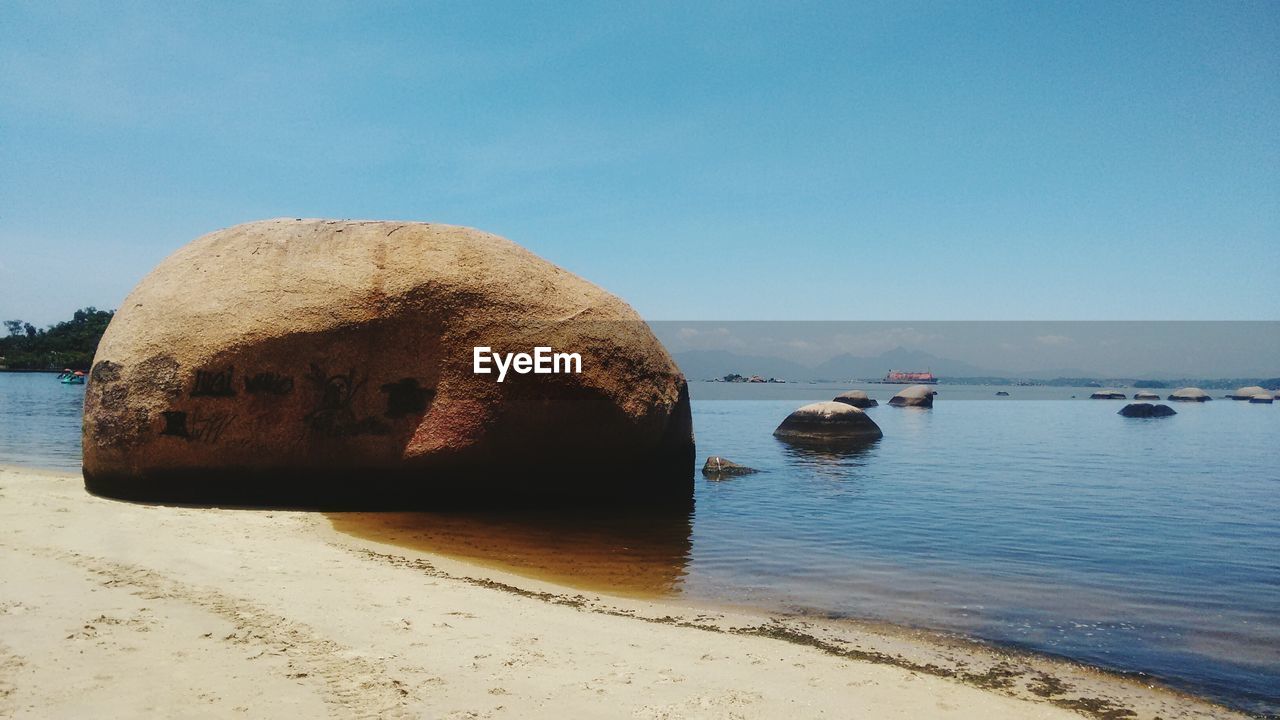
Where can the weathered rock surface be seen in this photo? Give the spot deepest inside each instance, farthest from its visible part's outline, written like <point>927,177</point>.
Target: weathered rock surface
<point>1145,395</point>
<point>856,398</point>
<point>826,422</point>
<point>1189,394</point>
<point>914,396</point>
<point>717,467</point>
<point>1248,393</point>
<point>299,361</point>
<point>1108,395</point>
<point>1146,410</point>
<point>1263,398</point>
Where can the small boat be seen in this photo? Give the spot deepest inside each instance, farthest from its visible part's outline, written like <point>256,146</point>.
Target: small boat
<point>66,377</point>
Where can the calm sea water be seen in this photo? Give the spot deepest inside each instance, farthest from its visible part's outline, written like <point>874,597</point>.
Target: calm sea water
<point>1035,521</point>
<point>40,421</point>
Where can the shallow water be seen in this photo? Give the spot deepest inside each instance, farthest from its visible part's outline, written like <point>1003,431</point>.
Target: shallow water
<point>1138,545</point>
<point>1036,521</point>
<point>40,421</point>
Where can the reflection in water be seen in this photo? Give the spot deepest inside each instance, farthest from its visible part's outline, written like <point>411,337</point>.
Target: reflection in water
<point>832,458</point>
<point>841,451</point>
<point>640,552</point>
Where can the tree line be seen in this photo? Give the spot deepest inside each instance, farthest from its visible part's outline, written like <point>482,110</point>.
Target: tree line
<point>68,344</point>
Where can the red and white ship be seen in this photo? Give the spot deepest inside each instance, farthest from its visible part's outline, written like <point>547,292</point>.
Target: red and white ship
<point>900,377</point>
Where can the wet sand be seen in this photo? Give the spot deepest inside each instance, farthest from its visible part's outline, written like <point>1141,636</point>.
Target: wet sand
<point>112,609</point>
<point>632,554</point>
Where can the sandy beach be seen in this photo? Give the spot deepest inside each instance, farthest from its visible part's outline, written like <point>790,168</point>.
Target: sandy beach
<point>112,609</point>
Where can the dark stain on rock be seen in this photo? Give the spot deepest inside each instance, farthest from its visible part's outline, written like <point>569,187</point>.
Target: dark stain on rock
<point>105,371</point>
<point>162,372</point>
<point>406,397</point>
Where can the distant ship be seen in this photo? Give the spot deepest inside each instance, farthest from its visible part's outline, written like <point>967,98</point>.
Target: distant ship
<point>898,377</point>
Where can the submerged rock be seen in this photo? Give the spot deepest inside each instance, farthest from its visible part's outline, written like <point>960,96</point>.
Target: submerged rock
<point>914,396</point>
<point>828,421</point>
<point>1146,410</point>
<point>1248,393</point>
<point>1146,395</point>
<point>1108,395</point>
<point>1001,393</point>
<point>717,467</point>
<point>330,361</point>
<point>856,398</point>
<point>1189,394</point>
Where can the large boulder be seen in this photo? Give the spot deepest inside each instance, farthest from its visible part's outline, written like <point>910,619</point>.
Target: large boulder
<point>914,396</point>
<point>828,422</point>
<point>1189,394</point>
<point>1108,395</point>
<point>1146,410</point>
<point>1248,393</point>
<point>1146,395</point>
<point>856,398</point>
<point>314,361</point>
<point>1263,398</point>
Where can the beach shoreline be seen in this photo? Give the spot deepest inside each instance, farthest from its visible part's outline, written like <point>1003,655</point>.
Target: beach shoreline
<point>120,609</point>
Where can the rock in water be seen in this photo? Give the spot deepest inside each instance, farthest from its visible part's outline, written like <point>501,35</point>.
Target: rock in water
<point>1248,393</point>
<point>1002,393</point>
<point>1146,395</point>
<point>314,361</point>
<point>1263,398</point>
<point>826,422</point>
<point>856,398</point>
<point>1189,394</point>
<point>1147,410</point>
<point>914,396</point>
<point>717,468</point>
<point>1108,395</point>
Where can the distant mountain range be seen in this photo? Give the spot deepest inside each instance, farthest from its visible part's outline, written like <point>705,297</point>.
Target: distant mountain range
<point>710,364</point>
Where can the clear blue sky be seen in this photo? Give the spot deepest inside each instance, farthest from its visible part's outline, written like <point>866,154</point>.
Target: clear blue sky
<point>1100,160</point>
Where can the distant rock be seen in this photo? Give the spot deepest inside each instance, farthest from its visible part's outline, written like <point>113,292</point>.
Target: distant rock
<point>717,468</point>
<point>1147,410</point>
<point>1263,398</point>
<point>1248,393</point>
<point>1001,393</point>
<point>828,421</point>
<point>1108,395</point>
<point>914,396</point>
<point>1190,394</point>
<point>856,398</point>
<point>1144,395</point>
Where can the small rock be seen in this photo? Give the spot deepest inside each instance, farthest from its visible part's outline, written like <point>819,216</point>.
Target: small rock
<point>914,396</point>
<point>718,467</point>
<point>1147,410</point>
<point>1248,393</point>
<point>856,398</point>
<point>827,421</point>
<point>1190,394</point>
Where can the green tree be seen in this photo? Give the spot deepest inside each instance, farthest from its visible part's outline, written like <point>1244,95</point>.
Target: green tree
<point>71,343</point>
